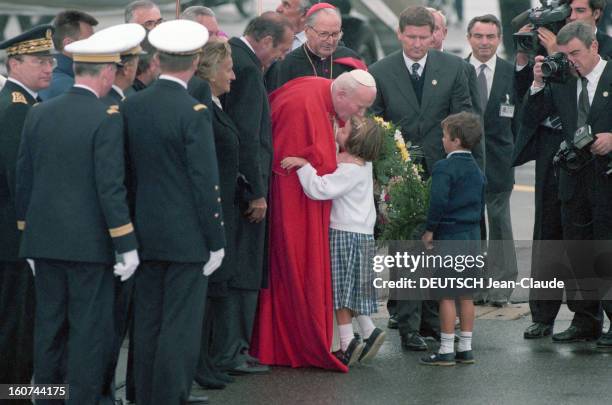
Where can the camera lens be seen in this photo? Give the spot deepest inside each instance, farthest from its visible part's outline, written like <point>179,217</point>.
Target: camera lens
<point>549,68</point>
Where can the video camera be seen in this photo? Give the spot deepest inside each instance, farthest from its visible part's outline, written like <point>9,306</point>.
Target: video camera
<point>551,15</point>
<point>575,157</point>
<point>556,68</point>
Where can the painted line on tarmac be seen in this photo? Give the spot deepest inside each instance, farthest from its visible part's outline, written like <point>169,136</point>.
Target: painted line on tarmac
<point>523,188</point>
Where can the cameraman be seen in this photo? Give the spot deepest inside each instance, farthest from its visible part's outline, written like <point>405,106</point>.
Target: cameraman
<point>540,142</point>
<point>586,195</point>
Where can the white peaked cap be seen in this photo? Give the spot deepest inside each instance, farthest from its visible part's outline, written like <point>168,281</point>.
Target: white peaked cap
<point>91,51</point>
<point>362,77</point>
<point>179,37</point>
<point>126,36</point>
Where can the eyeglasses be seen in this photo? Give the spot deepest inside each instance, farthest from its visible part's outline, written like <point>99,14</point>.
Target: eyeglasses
<point>150,24</point>
<point>323,36</point>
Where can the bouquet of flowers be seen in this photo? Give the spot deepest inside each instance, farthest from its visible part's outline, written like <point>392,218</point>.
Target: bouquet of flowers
<point>403,196</point>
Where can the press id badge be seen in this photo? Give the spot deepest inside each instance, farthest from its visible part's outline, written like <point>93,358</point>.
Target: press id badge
<point>506,110</point>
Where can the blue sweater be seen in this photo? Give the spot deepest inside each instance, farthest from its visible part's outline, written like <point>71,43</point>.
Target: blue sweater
<point>457,194</point>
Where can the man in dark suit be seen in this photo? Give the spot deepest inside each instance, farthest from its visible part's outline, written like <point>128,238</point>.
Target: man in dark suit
<point>69,26</point>
<point>74,213</point>
<point>540,143</point>
<point>497,96</point>
<point>417,88</point>
<point>266,39</point>
<point>585,194</point>
<point>176,200</point>
<point>29,71</point>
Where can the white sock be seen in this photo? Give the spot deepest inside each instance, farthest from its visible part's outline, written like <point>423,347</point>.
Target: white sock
<point>346,335</point>
<point>447,343</point>
<point>465,341</point>
<point>366,325</point>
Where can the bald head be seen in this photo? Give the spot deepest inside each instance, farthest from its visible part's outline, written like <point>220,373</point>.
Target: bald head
<point>353,93</point>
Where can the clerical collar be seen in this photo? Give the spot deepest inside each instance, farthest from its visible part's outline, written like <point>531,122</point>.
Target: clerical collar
<point>311,55</point>
<point>173,79</point>
<point>82,86</point>
<point>119,91</point>
<point>311,52</point>
<point>26,88</point>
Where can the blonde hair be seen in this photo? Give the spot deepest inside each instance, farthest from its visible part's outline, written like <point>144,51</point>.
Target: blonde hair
<point>213,54</point>
<point>366,138</point>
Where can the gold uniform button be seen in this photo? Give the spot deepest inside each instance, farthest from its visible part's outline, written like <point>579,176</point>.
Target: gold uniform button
<point>216,215</point>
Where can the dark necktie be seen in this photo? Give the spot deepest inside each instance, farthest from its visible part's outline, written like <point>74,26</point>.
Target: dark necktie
<point>583,103</point>
<point>482,87</point>
<point>415,71</point>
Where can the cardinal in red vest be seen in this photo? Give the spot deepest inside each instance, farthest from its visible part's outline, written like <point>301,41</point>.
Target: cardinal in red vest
<point>294,325</point>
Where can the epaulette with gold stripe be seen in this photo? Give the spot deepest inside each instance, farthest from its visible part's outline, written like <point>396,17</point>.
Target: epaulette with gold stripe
<point>113,109</point>
<point>199,107</point>
<point>18,97</point>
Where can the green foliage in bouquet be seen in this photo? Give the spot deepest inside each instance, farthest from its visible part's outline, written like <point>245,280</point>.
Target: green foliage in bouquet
<point>402,195</point>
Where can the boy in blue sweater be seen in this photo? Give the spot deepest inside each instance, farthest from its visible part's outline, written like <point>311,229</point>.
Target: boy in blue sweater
<point>456,206</point>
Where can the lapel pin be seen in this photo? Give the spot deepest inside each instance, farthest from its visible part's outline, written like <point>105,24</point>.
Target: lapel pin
<point>434,82</point>
<point>606,94</point>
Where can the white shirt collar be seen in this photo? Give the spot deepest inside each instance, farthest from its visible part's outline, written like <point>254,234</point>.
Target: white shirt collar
<point>217,102</point>
<point>457,152</point>
<point>82,86</point>
<point>243,39</point>
<point>409,62</point>
<point>174,79</point>
<point>26,88</point>
<point>597,71</point>
<point>119,90</point>
<point>491,63</point>
<point>298,40</point>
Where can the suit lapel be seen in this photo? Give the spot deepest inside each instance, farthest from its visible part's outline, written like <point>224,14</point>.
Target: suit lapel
<point>402,78</point>
<point>237,42</point>
<point>431,76</point>
<point>501,79</point>
<point>601,101</point>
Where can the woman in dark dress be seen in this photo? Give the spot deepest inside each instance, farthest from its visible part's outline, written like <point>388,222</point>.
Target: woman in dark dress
<point>216,69</point>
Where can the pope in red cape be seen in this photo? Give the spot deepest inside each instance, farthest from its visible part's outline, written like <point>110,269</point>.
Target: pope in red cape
<point>294,325</point>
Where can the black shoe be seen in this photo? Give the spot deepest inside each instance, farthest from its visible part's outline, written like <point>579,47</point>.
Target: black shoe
<point>573,334</point>
<point>223,377</point>
<point>432,334</point>
<point>414,342</point>
<point>392,323</point>
<point>466,357</point>
<point>437,359</point>
<point>605,341</point>
<point>350,356</point>
<point>197,399</point>
<point>249,368</point>
<point>538,330</point>
<point>372,345</point>
<point>210,383</point>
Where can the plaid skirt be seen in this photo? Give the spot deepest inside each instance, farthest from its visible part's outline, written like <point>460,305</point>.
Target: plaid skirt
<point>351,268</point>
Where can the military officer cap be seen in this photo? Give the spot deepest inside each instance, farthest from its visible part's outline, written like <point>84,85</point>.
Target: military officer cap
<point>36,41</point>
<point>129,36</point>
<point>108,45</point>
<point>179,37</point>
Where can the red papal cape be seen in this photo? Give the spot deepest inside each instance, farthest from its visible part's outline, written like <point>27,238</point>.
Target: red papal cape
<point>294,325</point>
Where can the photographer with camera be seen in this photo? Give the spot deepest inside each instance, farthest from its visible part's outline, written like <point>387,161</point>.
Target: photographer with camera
<point>541,141</point>
<point>585,188</point>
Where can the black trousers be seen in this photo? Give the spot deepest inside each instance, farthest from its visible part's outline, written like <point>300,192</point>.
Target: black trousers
<point>234,318</point>
<point>74,323</point>
<point>17,303</point>
<point>169,301</point>
<point>548,251</point>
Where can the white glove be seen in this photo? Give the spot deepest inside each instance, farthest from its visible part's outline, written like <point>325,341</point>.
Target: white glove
<point>31,263</point>
<point>214,261</point>
<point>127,265</point>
